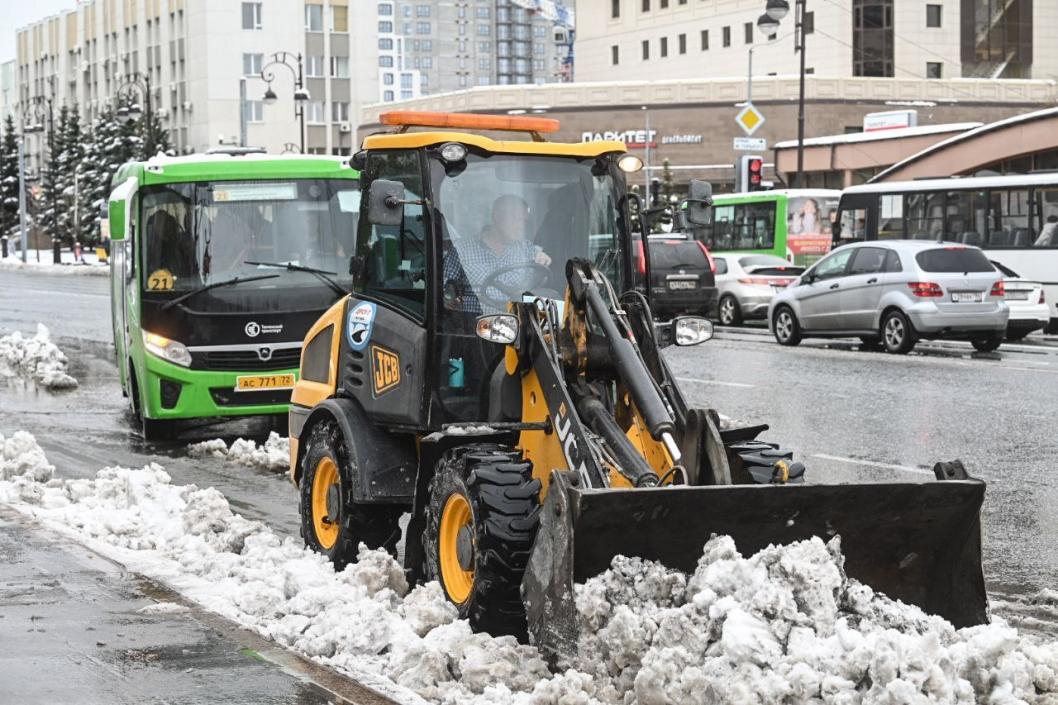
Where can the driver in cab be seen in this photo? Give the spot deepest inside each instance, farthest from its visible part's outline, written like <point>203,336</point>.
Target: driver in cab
<point>503,244</point>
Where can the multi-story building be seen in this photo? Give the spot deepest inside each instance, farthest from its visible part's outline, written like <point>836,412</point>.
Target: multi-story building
<point>8,89</point>
<point>436,46</point>
<point>900,39</point>
<point>194,54</point>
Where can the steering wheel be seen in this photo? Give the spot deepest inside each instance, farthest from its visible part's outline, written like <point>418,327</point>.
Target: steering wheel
<point>541,274</point>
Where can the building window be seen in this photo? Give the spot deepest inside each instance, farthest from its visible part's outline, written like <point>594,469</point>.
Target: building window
<point>251,15</point>
<point>646,5</point>
<point>422,27</point>
<point>340,66</point>
<point>314,111</point>
<point>251,64</point>
<point>385,62</point>
<point>339,18</point>
<point>314,66</point>
<point>615,8</point>
<point>387,96</point>
<point>427,62</point>
<point>385,8</point>
<point>385,28</point>
<point>664,4</point>
<point>387,79</point>
<point>705,40</point>
<point>933,15</point>
<point>314,18</point>
<point>422,10</point>
<point>682,41</point>
<point>615,55</point>
<point>484,63</point>
<point>872,38</point>
<point>664,47</point>
<point>727,36</point>
<point>406,95</point>
<point>339,112</point>
<point>385,44</point>
<point>483,30</point>
<point>934,69</point>
<point>482,13</point>
<point>747,28</point>
<point>406,81</point>
<point>646,49</point>
<point>255,111</point>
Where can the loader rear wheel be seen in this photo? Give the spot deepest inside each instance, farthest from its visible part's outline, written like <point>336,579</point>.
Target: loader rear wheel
<point>480,524</point>
<point>332,523</point>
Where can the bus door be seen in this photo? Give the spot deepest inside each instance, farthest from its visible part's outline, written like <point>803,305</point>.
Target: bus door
<point>123,292</point>
<point>857,219</point>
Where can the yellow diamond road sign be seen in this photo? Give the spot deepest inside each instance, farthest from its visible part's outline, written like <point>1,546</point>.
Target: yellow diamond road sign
<point>749,119</point>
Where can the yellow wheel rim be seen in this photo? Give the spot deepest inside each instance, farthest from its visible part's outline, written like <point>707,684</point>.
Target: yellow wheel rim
<point>323,479</point>
<point>456,515</point>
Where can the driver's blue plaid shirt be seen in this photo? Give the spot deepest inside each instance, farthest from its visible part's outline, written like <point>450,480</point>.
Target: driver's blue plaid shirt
<point>469,265</point>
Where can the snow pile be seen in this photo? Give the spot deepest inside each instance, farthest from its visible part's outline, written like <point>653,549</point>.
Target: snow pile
<point>274,454</point>
<point>786,625</point>
<point>35,358</point>
<point>782,626</point>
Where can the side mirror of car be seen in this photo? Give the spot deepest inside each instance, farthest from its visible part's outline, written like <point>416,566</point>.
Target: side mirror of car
<point>698,202</point>
<point>385,202</point>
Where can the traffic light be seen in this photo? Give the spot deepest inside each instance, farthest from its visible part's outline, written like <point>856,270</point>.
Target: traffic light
<point>750,173</point>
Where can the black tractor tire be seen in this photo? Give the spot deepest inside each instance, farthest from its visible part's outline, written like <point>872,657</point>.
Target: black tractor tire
<point>376,525</point>
<point>870,342</point>
<point>494,542</point>
<point>988,343</point>
<point>730,313</point>
<point>790,331</point>
<point>898,336</point>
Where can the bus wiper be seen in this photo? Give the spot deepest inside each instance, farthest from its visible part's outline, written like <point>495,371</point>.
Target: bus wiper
<point>213,285</point>
<point>320,274</point>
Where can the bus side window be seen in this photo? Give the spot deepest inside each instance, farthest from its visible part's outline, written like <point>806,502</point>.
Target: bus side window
<point>1046,218</point>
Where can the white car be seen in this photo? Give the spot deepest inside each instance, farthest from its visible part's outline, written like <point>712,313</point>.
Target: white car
<point>747,283</point>
<point>1025,299</point>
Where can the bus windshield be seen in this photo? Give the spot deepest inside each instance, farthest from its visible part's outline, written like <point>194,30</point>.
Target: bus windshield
<point>197,234</point>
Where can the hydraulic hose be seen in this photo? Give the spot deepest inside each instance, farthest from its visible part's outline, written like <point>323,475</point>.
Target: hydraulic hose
<point>633,465</point>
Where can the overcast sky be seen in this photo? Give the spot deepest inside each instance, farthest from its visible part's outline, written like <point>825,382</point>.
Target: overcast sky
<point>18,13</point>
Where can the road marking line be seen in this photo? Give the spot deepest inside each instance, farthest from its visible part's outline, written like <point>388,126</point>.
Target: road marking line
<point>60,292</point>
<point>873,464</point>
<point>714,381</point>
<point>1030,369</point>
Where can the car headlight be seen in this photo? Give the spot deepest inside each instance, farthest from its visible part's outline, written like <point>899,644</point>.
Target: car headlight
<point>168,350</point>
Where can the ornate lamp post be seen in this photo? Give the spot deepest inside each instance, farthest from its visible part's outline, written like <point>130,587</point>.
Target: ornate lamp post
<point>774,12</point>
<point>130,111</point>
<point>301,96</point>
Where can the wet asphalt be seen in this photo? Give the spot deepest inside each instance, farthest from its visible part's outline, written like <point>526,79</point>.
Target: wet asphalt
<point>849,415</point>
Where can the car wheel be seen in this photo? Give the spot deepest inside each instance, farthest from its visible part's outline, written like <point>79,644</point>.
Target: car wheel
<point>898,336</point>
<point>730,312</point>
<point>787,329</point>
<point>988,343</point>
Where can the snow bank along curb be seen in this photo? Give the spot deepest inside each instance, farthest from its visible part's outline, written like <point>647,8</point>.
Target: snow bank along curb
<point>36,358</point>
<point>274,454</point>
<point>782,626</point>
<point>14,264</point>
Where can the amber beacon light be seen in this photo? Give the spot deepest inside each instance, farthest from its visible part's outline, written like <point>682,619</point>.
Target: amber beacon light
<point>471,121</point>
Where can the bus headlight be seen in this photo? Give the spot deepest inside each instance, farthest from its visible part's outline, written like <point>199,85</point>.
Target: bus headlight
<point>168,350</point>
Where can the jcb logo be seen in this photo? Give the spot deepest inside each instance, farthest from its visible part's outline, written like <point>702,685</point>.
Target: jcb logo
<point>385,369</point>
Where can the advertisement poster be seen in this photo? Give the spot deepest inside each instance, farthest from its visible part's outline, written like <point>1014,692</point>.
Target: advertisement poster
<point>808,227</point>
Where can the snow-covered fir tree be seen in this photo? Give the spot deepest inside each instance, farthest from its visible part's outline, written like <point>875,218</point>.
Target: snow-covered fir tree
<point>112,143</point>
<point>8,178</point>
<point>48,202</point>
<point>69,153</point>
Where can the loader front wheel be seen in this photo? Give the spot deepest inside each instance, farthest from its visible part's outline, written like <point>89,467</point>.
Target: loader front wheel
<point>332,522</point>
<point>480,524</point>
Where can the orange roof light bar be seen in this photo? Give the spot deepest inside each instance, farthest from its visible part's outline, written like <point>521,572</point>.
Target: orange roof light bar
<point>473,121</point>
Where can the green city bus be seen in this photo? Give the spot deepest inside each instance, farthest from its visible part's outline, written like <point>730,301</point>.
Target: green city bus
<point>220,263</point>
<point>794,224</point>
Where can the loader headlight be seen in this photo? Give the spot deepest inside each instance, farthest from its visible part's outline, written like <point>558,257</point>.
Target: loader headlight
<point>691,330</point>
<point>629,163</point>
<point>453,152</point>
<point>168,350</point>
<point>498,328</point>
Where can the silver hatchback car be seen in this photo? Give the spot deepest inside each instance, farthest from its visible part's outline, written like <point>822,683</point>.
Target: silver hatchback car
<point>892,293</point>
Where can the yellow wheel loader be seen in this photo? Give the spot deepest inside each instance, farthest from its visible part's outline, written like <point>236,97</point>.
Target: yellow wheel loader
<point>496,375</point>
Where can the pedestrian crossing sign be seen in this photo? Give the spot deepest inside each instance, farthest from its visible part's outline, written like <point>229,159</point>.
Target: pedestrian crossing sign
<point>749,119</point>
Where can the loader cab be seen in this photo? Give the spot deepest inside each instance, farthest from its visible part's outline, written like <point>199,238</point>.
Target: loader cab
<point>460,224</point>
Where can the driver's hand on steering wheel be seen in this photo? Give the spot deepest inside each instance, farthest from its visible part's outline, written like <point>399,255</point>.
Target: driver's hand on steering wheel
<point>542,257</point>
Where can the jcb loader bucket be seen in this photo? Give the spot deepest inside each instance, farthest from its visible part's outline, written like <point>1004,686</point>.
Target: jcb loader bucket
<point>920,543</point>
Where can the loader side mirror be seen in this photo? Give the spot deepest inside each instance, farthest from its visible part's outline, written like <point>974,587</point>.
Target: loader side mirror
<point>691,330</point>
<point>385,202</point>
<point>698,202</point>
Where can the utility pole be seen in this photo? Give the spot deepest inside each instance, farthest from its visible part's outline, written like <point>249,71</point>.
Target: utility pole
<point>243,117</point>
<point>800,31</point>
<point>646,164</point>
<point>24,236</point>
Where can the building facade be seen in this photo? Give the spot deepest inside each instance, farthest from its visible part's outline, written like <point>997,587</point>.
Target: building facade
<point>901,39</point>
<point>435,46</point>
<point>194,54</point>
<point>685,129</point>
<point>8,89</point>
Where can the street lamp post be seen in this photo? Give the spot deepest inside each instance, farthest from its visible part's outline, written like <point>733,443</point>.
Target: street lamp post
<point>39,110</point>
<point>774,12</point>
<point>141,82</point>
<point>301,96</point>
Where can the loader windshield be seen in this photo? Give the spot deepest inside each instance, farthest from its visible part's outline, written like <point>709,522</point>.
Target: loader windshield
<point>511,222</point>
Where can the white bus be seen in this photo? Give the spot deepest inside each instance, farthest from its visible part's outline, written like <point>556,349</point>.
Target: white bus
<point>1013,218</point>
